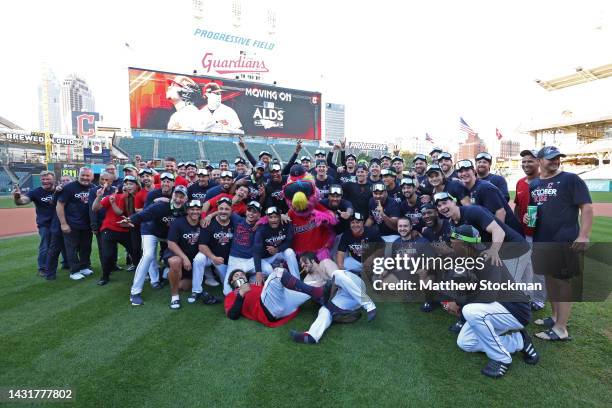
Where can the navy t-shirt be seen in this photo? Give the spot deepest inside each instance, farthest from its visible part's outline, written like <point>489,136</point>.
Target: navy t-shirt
<point>442,235</point>
<point>391,209</point>
<point>413,213</point>
<point>157,218</point>
<point>558,199</point>
<point>488,196</point>
<point>499,182</point>
<point>76,199</point>
<point>480,218</point>
<point>185,235</point>
<point>45,207</point>
<point>274,195</point>
<point>218,238</point>
<point>396,194</point>
<point>412,247</point>
<point>359,195</point>
<point>280,237</point>
<point>346,177</point>
<point>342,225</point>
<point>354,246</point>
<point>452,187</point>
<point>197,192</point>
<point>323,186</point>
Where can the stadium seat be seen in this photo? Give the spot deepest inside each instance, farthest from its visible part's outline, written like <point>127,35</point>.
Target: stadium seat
<point>182,150</point>
<point>215,151</point>
<point>141,146</point>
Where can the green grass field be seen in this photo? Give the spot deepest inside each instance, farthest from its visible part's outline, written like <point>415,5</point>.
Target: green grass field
<point>77,335</point>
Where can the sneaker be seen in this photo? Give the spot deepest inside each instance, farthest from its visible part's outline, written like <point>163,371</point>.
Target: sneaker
<point>372,315</point>
<point>302,337</point>
<point>426,307</point>
<point>131,268</point>
<point>102,282</point>
<point>136,300</point>
<point>193,297</point>
<point>211,282</point>
<point>116,268</point>
<point>86,272</point>
<point>530,355</point>
<point>175,304</point>
<point>495,369</point>
<point>209,299</point>
<point>42,273</point>
<point>77,276</point>
<point>456,327</point>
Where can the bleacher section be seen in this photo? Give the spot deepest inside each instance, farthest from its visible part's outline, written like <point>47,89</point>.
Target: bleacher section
<point>215,151</point>
<point>141,146</point>
<point>183,150</point>
<point>5,181</point>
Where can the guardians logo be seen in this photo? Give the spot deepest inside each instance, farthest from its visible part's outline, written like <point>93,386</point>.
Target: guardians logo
<point>241,64</point>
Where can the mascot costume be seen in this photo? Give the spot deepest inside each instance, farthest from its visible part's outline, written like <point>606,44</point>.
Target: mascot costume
<point>312,222</point>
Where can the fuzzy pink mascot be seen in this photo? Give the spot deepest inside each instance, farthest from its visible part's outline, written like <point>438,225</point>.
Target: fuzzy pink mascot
<point>312,222</point>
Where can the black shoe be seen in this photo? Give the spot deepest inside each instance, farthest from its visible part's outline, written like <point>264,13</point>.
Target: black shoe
<point>302,337</point>
<point>427,307</point>
<point>175,304</point>
<point>495,369</point>
<point>530,355</point>
<point>209,299</point>
<point>50,277</point>
<point>102,282</point>
<point>456,327</point>
<point>131,268</point>
<point>116,268</point>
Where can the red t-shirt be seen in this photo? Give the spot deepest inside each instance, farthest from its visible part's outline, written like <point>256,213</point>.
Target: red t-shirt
<point>140,198</point>
<point>238,208</point>
<point>178,180</point>
<point>521,200</point>
<point>252,308</point>
<point>111,219</point>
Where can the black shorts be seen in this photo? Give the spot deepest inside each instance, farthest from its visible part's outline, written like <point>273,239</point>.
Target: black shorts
<point>557,259</point>
<point>169,254</point>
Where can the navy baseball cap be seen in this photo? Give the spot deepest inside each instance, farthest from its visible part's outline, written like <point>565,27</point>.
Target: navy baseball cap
<point>420,157</point>
<point>239,160</point>
<point>264,153</point>
<point>385,156</point>
<point>305,158</point>
<point>275,167</point>
<point>357,216</point>
<point>445,155</point>
<point>167,176</point>
<point>407,182</point>
<point>432,168</point>
<point>442,196</point>
<point>397,158</point>
<point>362,166</point>
<point>528,152</point>
<point>484,155</point>
<point>320,162</point>
<point>180,189</point>
<point>260,165</point>
<point>194,203</point>
<point>350,155</point>
<point>297,170</point>
<point>549,152</point>
<point>436,150</point>
<point>428,206</point>
<point>375,160</point>
<point>465,164</point>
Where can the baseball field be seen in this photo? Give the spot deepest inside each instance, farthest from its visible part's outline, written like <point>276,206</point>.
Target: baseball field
<point>77,335</point>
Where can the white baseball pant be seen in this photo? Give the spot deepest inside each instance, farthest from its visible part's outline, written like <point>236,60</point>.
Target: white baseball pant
<point>200,262</point>
<point>147,264</point>
<point>288,255</point>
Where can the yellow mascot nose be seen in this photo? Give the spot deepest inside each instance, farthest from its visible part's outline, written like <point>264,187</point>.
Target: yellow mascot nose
<point>300,201</point>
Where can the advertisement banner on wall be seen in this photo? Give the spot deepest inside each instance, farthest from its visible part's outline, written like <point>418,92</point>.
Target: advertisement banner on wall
<point>170,101</point>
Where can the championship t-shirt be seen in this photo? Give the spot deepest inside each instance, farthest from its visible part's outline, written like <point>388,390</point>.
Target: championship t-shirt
<point>354,246</point>
<point>499,182</point>
<point>76,199</point>
<point>45,207</point>
<point>558,199</point>
<point>323,186</point>
<point>218,238</point>
<point>441,235</point>
<point>198,192</point>
<point>343,224</point>
<point>488,196</point>
<point>185,235</point>
<point>359,195</point>
<point>390,208</point>
<point>413,212</point>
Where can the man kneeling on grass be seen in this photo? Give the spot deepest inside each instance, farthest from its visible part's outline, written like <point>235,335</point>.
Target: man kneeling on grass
<point>274,303</point>
<point>183,238</point>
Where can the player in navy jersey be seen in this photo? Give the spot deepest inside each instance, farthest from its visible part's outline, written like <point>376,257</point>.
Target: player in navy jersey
<point>183,239</point>
<point>398,165</point>
<point>436,183</point>
<point>272,244</point>
<point>350,248</point>
<point>410,206</point>
<point>483,168</point>
<point>322,180</point>
<point>197,190</point>
<point>42,197</point>
<point>420,165</point>
<point>359,193</point>
<point>394,191</point>
<point>375,170</point>
<point>445,161</point>
<point>274,189</point>
<point>437,230</point>
<point>383,212</point>
<point>487,195</point>
<point>563,200</point>
<point>339,206</point>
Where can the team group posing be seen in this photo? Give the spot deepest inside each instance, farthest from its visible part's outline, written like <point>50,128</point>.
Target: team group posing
<point>239,229</point>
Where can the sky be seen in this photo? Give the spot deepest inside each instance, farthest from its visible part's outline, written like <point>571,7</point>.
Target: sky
<point>401,69</point>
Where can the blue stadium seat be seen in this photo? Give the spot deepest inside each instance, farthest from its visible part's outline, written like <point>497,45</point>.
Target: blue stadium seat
<point>141,146</point>
<point>182,150</point>
<point>215,151</point>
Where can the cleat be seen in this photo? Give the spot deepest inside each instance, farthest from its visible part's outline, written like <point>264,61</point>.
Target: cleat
<point>156,285</point>
<point>136,300</point>
<point>175,304</point>
<point>456,327</point>
<point>76,276</point>
<point>530,355</point>
<point>209,299</point>
<point>86,272</point>
<point>427,307</point>
<point>302,337</point>
<point>372,315</point>
<point>102,282</point>
<point>495,369</point>
<point>131,268</point>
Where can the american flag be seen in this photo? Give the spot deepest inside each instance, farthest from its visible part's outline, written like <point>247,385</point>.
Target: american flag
<point>463,126</point>
<point>498,134</point>
<point>428,138</point>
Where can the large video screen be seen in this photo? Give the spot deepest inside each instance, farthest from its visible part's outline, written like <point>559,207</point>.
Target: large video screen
<point>169,101</point>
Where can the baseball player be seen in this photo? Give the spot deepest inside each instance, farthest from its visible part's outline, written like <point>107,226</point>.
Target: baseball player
<point>350,248</point>
<point>384,212</point>
<point>161,214</point>
<point>219,118</point>
<point>272,244</point>
<point>56,244</point>
<point>347,297</point>
<point>185,94</point>
<point>183,238</point>
<point>483,168</point>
